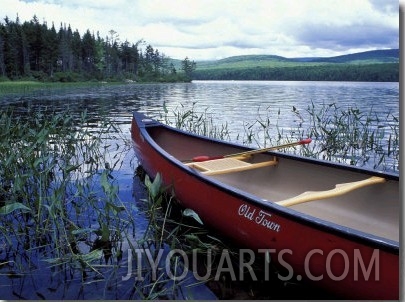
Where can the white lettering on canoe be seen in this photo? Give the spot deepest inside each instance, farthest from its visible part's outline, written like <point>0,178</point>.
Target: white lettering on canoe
<point>261,218</point>
<point>244,210</point>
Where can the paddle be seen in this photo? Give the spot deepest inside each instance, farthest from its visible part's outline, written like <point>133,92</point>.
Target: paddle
<point>202,158</point>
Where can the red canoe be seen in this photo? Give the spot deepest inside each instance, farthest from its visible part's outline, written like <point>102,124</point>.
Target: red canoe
<point>335,225</point>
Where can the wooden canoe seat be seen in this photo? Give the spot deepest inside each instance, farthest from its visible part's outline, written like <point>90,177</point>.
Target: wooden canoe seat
<point>339,189</point>
<point>228,165</point>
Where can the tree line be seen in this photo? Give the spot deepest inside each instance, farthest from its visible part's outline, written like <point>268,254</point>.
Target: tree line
<point>32,50</point>
<point>379,72</point>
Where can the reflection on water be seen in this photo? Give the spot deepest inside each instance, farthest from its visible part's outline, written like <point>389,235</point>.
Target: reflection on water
<point>232,102</point>
<point>235,102</point>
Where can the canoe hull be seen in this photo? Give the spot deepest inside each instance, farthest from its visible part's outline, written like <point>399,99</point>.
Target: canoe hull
<point>349,267</point>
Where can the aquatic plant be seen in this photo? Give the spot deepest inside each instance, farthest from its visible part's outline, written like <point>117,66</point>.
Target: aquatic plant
<point>192,120</point>
<point>351,136</point>
<point>22,89</point>
<point>344,135</point>
<point>61,215</point>
<point>59,204</point>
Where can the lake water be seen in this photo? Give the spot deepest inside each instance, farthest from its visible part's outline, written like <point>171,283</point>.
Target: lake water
<point>232,102</point>
<point>240,104</point>
<point>236,103</point>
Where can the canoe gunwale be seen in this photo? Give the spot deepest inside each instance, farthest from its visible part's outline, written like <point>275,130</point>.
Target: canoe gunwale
<point>373,241</point>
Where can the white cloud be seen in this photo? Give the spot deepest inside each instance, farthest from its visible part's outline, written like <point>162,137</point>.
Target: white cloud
<point>204,29</point>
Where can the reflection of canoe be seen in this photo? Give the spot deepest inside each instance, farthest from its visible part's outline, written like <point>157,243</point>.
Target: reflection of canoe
<point>344,238</point>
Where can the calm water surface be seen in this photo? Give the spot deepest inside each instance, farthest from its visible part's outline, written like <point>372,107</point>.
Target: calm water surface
<point>236,103</point>
<point>232,102</point>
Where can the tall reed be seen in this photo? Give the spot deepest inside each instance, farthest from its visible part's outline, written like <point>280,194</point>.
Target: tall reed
<point>192,120</point>
<point>58,197</point>
<point>345,135</point>
<point>352,136</point>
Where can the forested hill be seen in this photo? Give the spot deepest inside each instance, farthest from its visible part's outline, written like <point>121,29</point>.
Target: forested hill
<point>377,65</point>
<point>373,56</point>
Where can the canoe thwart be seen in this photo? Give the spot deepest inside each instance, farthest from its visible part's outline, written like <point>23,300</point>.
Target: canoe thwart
<point>339,189</point>
<point>228,165</point>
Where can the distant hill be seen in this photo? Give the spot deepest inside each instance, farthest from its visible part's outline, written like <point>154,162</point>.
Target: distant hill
<point>375,65</point>
<point>375,56</point>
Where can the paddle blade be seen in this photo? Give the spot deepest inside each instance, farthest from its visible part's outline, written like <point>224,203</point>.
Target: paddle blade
<point>202,158</point>
<point>305,141</point>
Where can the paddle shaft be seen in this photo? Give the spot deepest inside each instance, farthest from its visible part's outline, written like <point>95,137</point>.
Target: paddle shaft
<point>246,153</point>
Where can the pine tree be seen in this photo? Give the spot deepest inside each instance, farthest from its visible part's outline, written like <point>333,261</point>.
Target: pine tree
<point>188,67</point>
<point>76,51</point>
<point>88,52</point>
<point>2,41</point>
<point>50,51</point>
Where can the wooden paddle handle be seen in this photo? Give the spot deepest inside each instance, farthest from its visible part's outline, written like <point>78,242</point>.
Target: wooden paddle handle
<point>202,158</point>
<point>257,151</point>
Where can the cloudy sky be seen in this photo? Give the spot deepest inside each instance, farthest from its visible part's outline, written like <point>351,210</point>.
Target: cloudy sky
<point>214,29</point>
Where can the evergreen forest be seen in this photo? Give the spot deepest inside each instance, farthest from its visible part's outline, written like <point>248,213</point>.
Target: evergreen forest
<point>35,51</point>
